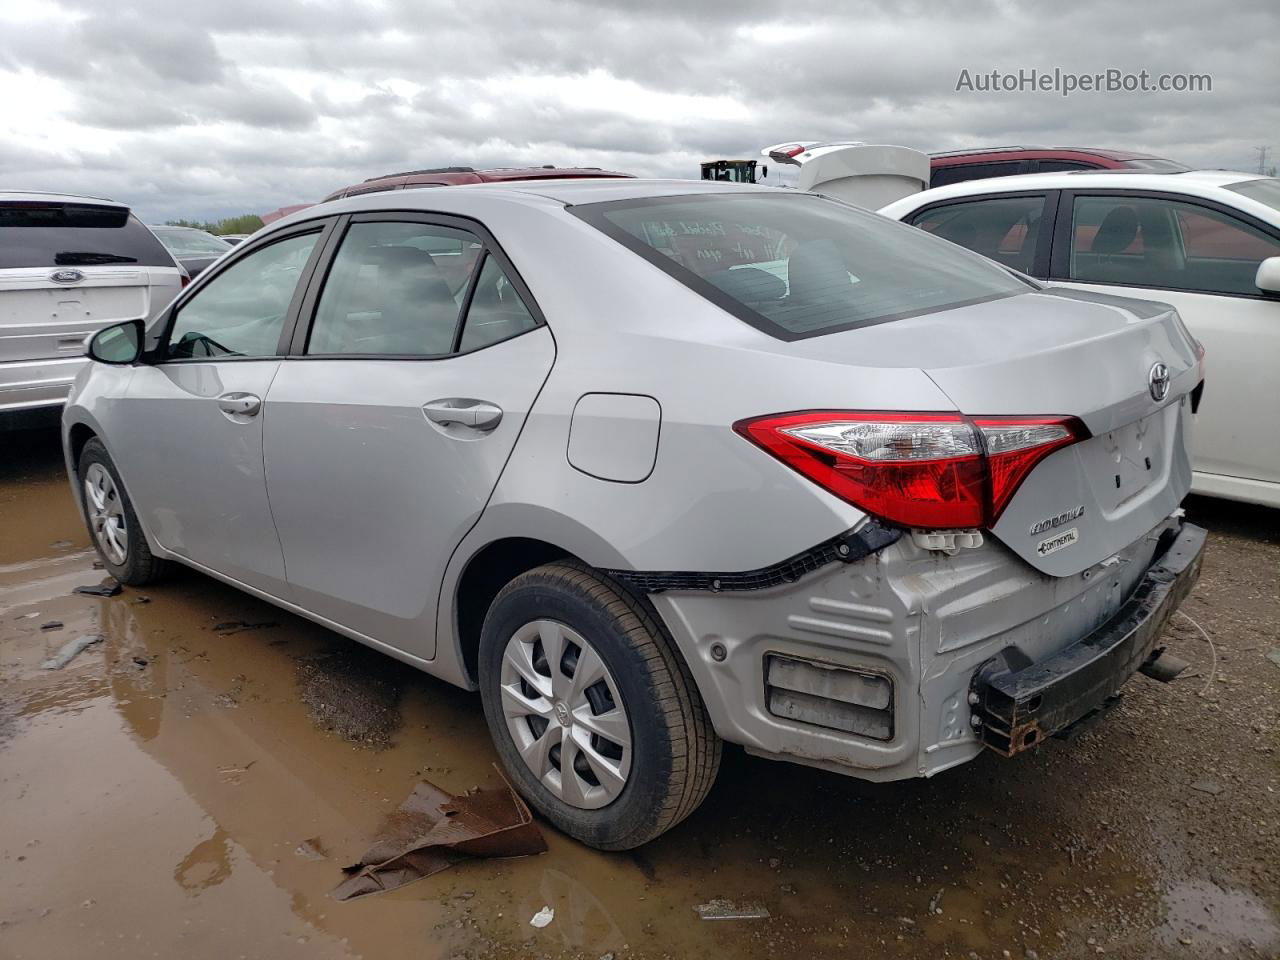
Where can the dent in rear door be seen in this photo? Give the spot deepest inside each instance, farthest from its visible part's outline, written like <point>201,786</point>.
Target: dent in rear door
<point>370,496</point>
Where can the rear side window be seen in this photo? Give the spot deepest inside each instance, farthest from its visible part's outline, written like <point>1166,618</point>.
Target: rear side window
<point>496,311</point>
<point>38,234</point>
<point>1002,228</point>
<point>960,172</point>
<point>799,265</point>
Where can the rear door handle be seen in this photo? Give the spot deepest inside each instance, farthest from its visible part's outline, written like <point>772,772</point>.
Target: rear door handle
<point>240,404</point>
<point>460,411</point>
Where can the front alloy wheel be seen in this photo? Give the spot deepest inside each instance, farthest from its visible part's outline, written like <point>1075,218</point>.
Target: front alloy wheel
<point>106,514</point>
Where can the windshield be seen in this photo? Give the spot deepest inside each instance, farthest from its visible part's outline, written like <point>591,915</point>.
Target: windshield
<point>51,234</point>
<point>191,243</point>
<point>798,265</point>
<point>1264,190</point>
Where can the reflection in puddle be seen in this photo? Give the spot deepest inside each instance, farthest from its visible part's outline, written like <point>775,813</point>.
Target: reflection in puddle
<point>207,865</point>
<point>1203,915</point>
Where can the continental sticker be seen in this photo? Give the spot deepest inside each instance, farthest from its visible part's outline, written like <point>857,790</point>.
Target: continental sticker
<point>1059,540</point>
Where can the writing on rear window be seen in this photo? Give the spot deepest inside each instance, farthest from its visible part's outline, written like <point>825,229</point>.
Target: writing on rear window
<point>798,266</point>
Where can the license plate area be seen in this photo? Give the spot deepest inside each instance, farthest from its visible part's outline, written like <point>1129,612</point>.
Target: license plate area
<point>1133,457</point>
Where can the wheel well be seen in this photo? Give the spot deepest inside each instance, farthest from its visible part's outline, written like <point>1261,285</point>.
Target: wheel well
<point>487,573</point>
<point>79,436</point>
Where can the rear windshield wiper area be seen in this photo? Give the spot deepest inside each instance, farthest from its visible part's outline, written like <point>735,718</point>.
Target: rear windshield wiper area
<point>83,258</point>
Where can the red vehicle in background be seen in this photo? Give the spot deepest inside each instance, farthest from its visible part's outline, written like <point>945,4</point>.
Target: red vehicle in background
<point>979,164</point>
<point>453,176</point>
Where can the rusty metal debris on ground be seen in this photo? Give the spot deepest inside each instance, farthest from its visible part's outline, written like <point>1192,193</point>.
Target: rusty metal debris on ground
<point>431,831</point>
<point>108,588</point>
<point>722,909</point>
<point>70,650</point>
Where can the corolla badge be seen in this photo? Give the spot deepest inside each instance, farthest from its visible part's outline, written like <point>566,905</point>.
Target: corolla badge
<point>66,276</point>
<point>1049,523</point>
<point>1158,381</point>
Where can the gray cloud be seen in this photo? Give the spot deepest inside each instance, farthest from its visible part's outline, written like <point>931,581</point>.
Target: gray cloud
<point>241,105</point>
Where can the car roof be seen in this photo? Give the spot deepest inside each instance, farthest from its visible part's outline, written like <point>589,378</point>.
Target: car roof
<point>41,197</point>
<point>601,190</point>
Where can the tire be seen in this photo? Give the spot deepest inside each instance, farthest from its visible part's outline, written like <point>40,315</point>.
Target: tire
<point>134,565</point>
<point>673,754</point>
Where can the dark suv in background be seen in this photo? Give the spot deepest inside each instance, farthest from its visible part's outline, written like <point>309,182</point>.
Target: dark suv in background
<point>980,164</point>
<point>453,176</point>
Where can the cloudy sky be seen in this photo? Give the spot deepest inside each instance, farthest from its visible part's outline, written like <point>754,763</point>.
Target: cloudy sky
<point>207,109</point>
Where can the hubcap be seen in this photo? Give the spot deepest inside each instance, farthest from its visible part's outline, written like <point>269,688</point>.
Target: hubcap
<point>565,715</point>
<point>106,514</point>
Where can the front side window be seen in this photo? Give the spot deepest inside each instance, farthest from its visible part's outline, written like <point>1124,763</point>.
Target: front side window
<point>799,265</point>
<point>395,289</point>
<point>1063,166</point>
<point>241,311</point>
<point>1002,228</point>
<point>1165,244</point>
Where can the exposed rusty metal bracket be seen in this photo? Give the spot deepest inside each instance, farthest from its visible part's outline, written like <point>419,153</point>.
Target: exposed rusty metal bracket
<point>1017,704</point>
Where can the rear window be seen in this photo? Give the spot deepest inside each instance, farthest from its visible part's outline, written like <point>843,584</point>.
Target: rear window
<point>1264,190</point>
<point>799,265</point>
<point>191,243</point>
<point>38,234</point>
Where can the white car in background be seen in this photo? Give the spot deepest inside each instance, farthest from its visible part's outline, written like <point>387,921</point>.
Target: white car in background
<point>1207,242</point>
<point>69,266</point>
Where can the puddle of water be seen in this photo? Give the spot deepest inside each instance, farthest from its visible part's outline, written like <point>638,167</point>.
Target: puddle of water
<point>1204,916</point>
<point>158,790</point>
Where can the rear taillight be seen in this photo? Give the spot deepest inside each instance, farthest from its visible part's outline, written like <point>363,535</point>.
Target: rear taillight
<point>927,470</point>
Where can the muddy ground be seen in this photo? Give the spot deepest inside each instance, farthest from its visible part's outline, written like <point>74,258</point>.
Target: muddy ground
<point>190,786</point>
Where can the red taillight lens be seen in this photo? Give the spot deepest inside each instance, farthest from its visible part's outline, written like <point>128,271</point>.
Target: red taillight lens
<point>929,470</point>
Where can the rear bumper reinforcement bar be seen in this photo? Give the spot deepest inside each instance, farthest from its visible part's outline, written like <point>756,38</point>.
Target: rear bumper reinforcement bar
<point>846,548</point>
<point>1021,703</point>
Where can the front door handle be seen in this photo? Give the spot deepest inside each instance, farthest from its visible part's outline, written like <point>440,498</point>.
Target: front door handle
<point>240,404</point>
<point>462,412</point>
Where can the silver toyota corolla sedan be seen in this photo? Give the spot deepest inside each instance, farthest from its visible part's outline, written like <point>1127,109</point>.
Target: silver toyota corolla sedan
<point>656,465</point>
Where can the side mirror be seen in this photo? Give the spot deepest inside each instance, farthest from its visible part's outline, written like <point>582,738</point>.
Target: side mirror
<point>1268,276</point>
<point>120,344</point>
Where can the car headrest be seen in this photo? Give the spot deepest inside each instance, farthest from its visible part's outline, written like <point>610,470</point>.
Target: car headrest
<point>1118,229</point>
<point>817,271</point>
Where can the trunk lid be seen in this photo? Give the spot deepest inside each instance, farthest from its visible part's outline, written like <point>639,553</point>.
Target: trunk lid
<point>1063,353</point>
<point>41,319</point>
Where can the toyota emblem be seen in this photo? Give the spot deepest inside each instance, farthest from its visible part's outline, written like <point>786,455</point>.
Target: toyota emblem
<point>1158,381</point>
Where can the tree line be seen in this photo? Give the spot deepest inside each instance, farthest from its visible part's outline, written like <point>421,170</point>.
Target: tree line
<point>245,223</point>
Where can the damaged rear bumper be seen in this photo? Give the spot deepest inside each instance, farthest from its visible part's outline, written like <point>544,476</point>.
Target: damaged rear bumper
<point>1019,703</point>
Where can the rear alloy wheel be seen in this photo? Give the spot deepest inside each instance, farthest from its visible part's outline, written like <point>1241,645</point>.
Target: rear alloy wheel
<point>112,523</point>
<point>562,711</point>
<point>595,716</point>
